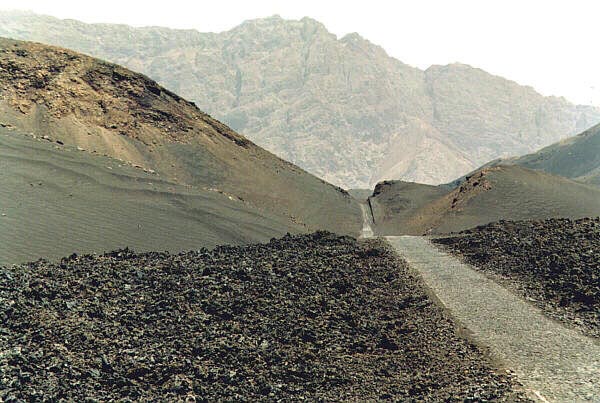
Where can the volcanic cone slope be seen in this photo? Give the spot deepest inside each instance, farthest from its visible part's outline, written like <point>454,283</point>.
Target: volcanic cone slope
<point>56,200</point>
<point>490,194</point>
<point>576,157</point>
<point>107,109</point>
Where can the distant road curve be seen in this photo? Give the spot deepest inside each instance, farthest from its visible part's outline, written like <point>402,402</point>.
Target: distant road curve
<point>367,228</point>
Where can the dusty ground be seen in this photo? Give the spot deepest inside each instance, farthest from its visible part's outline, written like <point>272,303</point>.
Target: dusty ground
<point>315,316</point>
<point>553,263</point>
<point>56,200</point>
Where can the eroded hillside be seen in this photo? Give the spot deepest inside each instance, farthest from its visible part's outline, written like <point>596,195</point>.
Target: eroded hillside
<point>487,195</point>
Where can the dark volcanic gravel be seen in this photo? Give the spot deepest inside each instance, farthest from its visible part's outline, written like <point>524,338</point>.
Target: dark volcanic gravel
<point>315,316</point>
<point>553,263</point>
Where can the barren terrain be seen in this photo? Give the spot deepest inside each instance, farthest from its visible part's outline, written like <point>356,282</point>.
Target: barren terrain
<point>108,110</point>
<point>555,264</point>
<point>56,200</point>
<point>487,195</point>
<point>315,317</point>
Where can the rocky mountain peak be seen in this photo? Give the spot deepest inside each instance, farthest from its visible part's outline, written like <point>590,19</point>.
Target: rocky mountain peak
<point>277,26</point>
<point>342,109</point>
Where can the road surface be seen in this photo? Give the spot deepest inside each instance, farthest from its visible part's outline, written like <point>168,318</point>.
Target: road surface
<point>555,364</point>
<point>367,229</point>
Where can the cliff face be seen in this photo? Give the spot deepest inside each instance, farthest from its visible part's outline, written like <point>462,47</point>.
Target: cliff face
<point>340,108</point>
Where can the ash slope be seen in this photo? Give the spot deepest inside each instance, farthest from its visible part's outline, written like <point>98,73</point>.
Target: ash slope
<point>396,204</point>
<point>56,200</point>
<point>488,195</point>
<point>553,263</point>
<point>313,317</point>
<point>340,108</point>
<point>108,109</point>
<point>576,157</point>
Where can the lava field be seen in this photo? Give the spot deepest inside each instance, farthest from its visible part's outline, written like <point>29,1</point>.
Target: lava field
<point>316,317</point>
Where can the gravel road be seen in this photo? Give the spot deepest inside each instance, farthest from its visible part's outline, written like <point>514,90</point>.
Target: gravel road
<point>367,229</point>
<point>553,362</point>
<point>554,264</point>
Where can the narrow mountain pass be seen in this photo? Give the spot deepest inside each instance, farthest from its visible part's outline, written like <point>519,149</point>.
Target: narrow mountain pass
<point>554,363</point>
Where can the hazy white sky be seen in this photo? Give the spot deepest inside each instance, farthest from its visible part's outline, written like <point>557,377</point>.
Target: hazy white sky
<point>549,44</point>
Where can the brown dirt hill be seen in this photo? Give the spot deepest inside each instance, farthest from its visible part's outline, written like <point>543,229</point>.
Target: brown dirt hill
<point>488,195</point>
<point>107,109</point>
<point>394,204</point>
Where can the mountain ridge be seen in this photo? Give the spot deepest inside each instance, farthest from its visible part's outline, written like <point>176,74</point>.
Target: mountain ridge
<point>341,108</point>
<point>576,157</point>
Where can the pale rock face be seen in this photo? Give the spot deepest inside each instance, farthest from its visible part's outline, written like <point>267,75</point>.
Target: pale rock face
<point>340,108</point>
